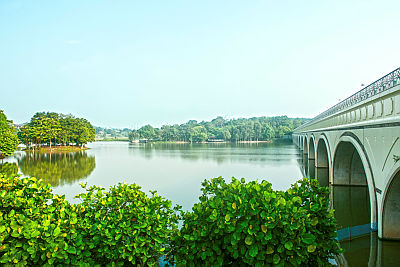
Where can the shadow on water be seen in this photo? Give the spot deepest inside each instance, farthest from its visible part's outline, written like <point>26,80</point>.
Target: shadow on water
<point>352,212</point>
<point>57,169</point>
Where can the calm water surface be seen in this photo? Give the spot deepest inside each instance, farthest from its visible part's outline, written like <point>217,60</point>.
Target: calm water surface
<point>174,170</point>
<point>177,170</point>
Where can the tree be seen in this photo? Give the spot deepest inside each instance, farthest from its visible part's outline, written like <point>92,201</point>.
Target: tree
<point>134,135</point>
<point>147,132</point>
<point>235,130</point>
<point>60,129</point>
<point>8,138</point>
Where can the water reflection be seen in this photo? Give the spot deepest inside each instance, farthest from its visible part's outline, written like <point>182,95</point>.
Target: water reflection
<point>322,175</point>
<point>218,152</point>
<point>8,168</point>
<point>352,212</point>
<point>311,169</point>
<point>57,168</point>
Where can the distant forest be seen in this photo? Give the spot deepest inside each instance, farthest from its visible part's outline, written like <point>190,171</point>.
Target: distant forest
<point>234,130</point>
<point>111,133</point>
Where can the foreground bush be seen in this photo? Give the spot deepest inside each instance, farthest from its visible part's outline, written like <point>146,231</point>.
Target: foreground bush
<point>233,224</point>
<point>124,225</point>
<point>250,224</point>
<point>36,227</point>
<point>119,227</point>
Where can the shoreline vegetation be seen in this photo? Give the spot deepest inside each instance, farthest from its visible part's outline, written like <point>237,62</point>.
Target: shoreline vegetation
<point>238,130</point>
<point>242,130</point>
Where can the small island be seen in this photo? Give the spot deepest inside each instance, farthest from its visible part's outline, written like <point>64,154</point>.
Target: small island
<point>56,132</point>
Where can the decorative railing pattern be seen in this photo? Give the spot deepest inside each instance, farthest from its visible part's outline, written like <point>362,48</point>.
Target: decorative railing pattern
<point>385,83</point>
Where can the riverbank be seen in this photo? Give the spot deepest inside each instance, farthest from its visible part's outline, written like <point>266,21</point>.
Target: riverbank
<point>56,149</point>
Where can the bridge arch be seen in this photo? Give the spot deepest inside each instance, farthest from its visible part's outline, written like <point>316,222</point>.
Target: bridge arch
<point>305,151</point>
<point>311,148</point>
<point>323,157</point>
<point>300,138</point>
<point>323,161</point>
<point>351,167</point>
<point>390,225</point>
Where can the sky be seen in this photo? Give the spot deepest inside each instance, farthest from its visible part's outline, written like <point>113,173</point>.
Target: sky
<point>130,63</point>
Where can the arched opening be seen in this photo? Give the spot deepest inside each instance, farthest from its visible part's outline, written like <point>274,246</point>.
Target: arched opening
<point>305,157</point>
<point>311,149</point>
<point>348,168</point>
<point>311,159</point>
<point>301,142</point>
<point>322,163</point>
<point>391,210</point>
<point>351,197</point>
<point>305,151</point>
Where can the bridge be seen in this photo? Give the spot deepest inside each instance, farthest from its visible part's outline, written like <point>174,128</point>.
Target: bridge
<point>355,145</point>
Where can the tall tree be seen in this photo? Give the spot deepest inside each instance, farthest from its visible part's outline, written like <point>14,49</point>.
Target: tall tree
<point>8,138</point>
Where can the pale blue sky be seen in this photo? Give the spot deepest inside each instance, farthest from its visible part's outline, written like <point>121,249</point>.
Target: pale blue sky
<point>128,63</point>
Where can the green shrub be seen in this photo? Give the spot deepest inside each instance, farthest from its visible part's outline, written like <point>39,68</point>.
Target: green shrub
<point>250,224</point>
<point>124,225</point>
<point>36,227</point>
<point>120,227</point>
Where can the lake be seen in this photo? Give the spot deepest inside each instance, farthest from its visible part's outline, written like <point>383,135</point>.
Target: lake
<point>176,171</point>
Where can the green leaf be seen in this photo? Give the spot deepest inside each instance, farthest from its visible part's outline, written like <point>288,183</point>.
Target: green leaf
<point>264,228</point>
<point>71,250</point>
<point>311,248</point>
<point>289,245</point>
<point>314,221</point>
<point>308,238</point>
<point>31,250</point>
<point>270,250</point>
<point>253,251</point>
<point>57,231</point>
<point>248,240</point>
<point>35,233</point>
<point>276,259</point>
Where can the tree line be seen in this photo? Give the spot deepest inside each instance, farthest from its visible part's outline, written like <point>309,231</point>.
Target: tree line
<point>234,130</point>
<point>8,138</point>
<point>47,128</point>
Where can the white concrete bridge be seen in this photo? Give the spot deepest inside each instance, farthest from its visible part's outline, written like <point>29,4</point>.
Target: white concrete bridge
<point>356,144</point>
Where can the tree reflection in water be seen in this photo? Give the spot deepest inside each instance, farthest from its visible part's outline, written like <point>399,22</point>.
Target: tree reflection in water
<point>9,168</point>
<point>57,169</point>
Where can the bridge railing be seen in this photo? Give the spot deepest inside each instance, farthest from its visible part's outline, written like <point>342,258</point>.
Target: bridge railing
<point>385,83</point>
